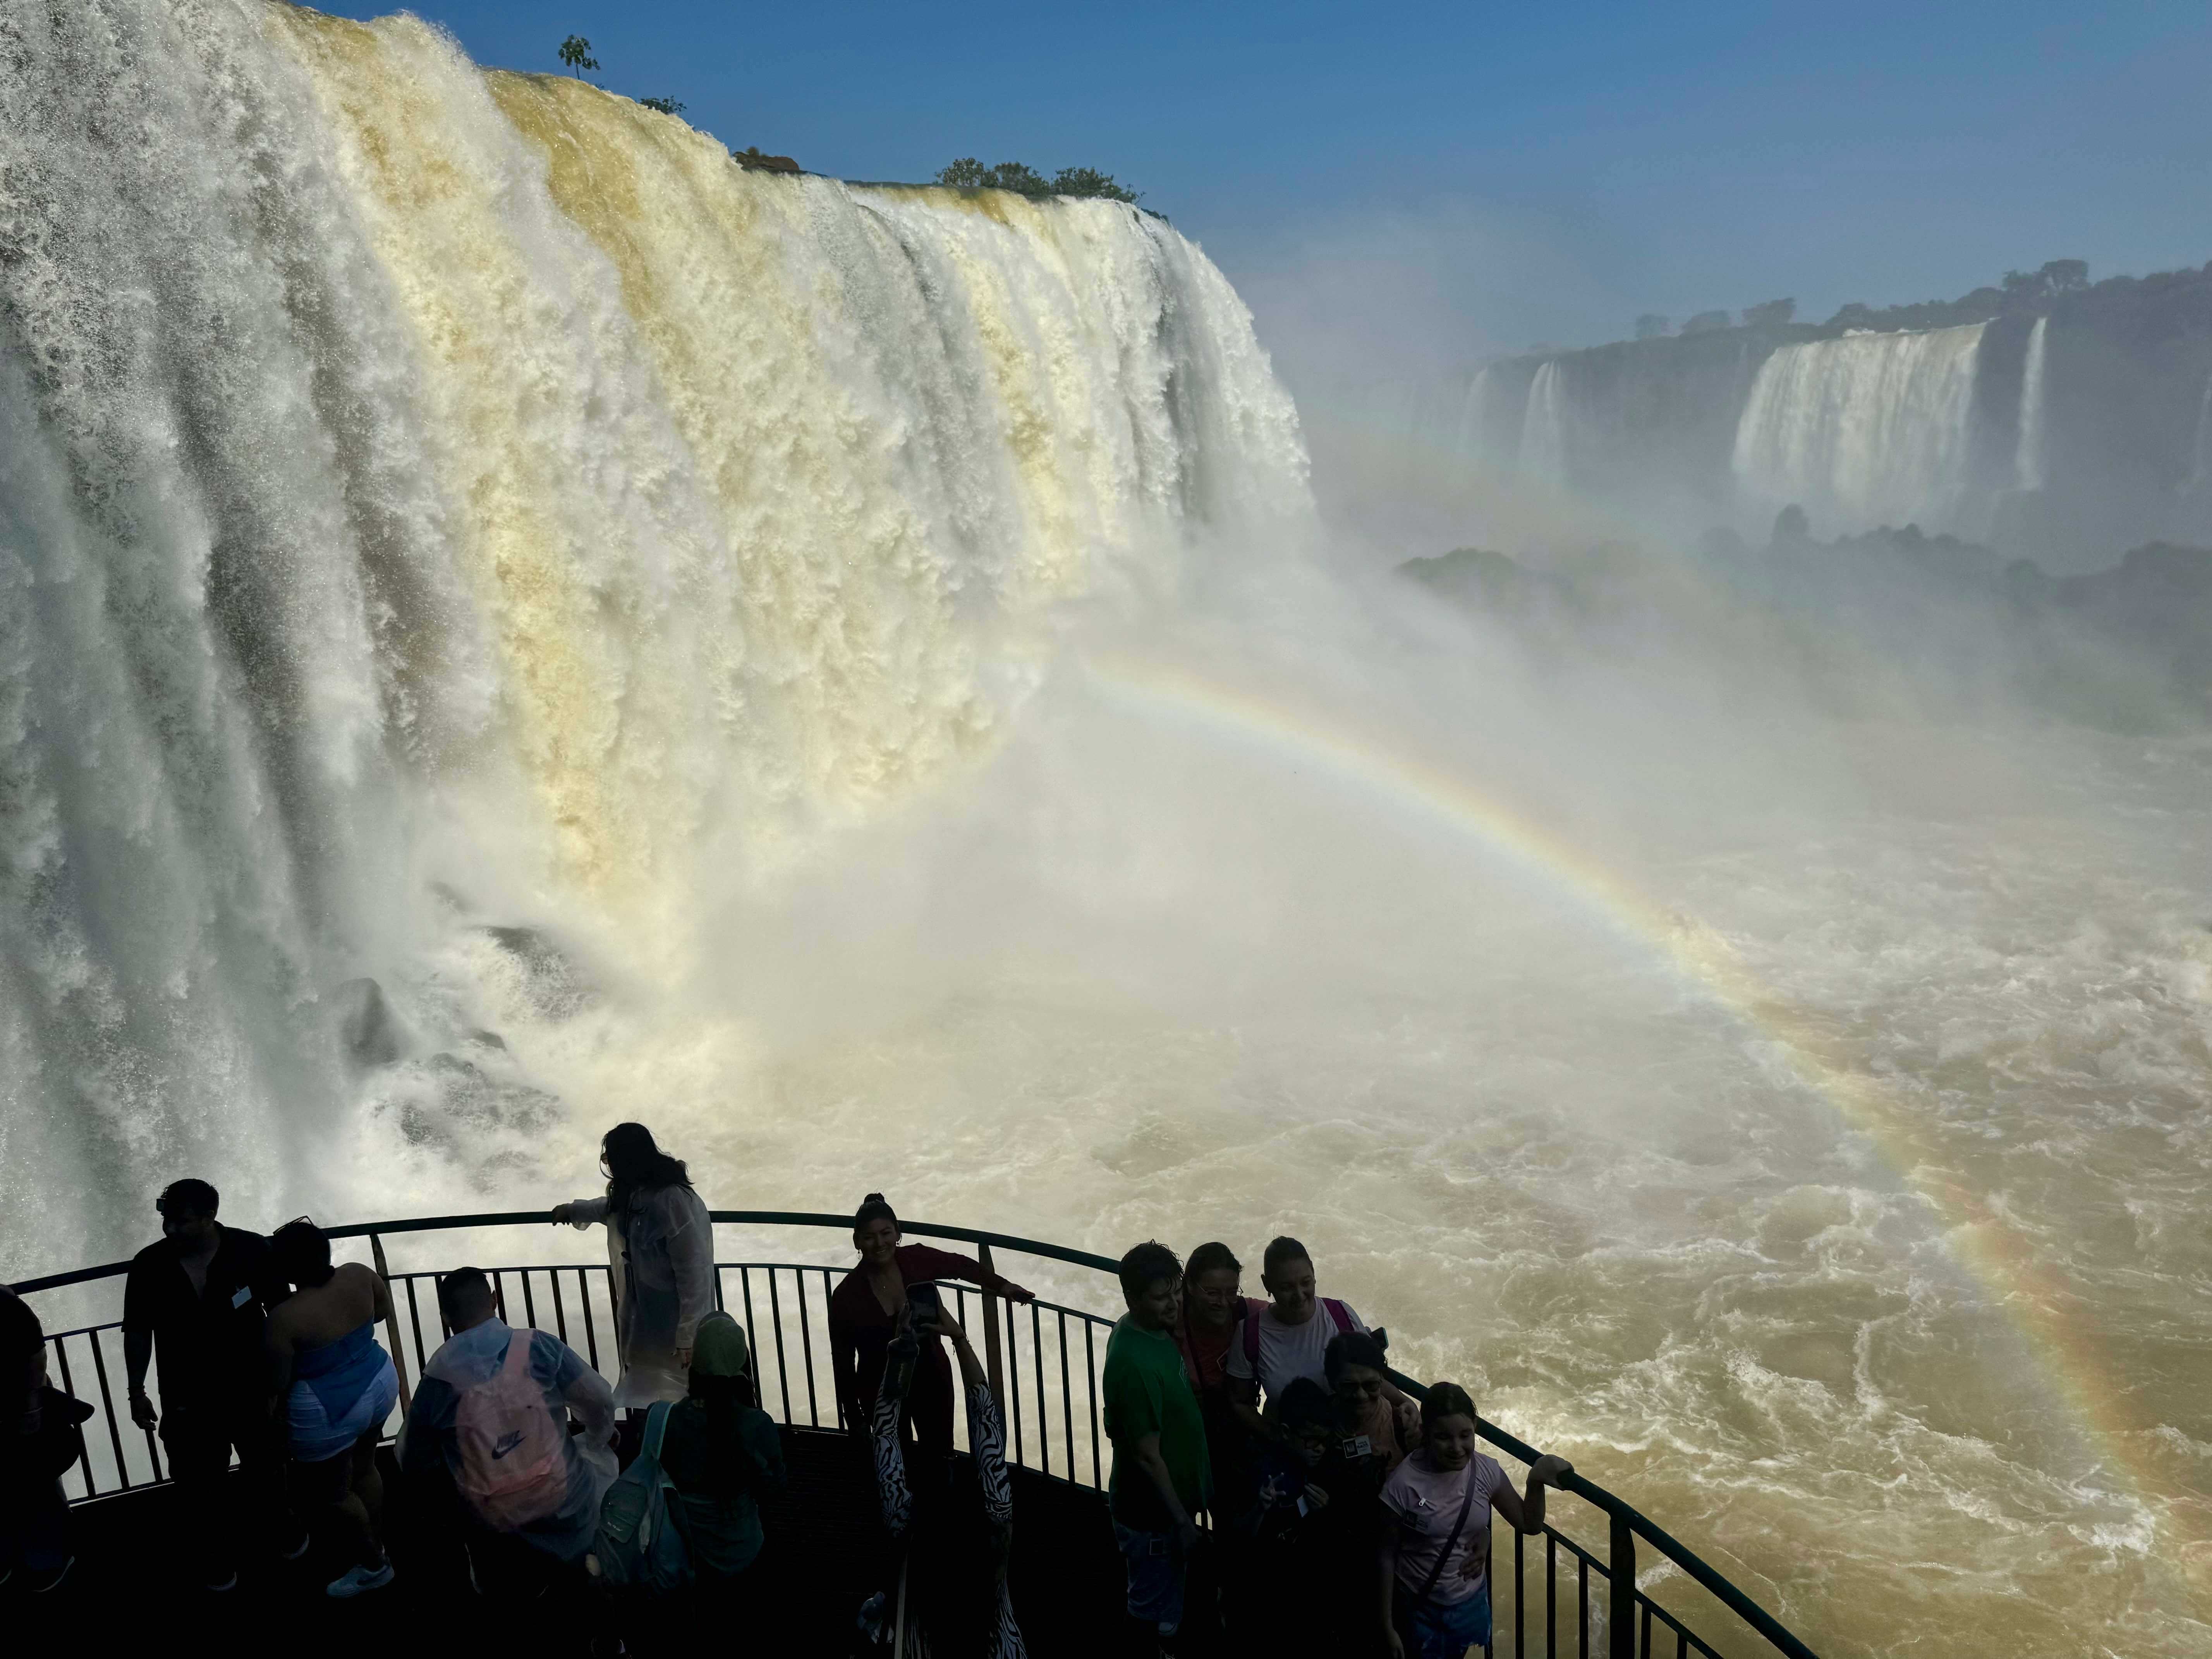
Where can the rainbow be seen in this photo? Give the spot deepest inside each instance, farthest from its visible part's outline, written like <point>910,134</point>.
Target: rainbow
<point>2001,1260</point>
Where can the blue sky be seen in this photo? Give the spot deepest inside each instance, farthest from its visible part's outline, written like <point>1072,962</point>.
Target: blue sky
<point>1479,177</point>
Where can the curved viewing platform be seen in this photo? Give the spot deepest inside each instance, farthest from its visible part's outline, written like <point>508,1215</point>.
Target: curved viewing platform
<point>1602,1577</point>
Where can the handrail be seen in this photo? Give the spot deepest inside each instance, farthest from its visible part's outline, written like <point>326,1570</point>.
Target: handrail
<point>529,1218</point>
<point>1626,1521</point>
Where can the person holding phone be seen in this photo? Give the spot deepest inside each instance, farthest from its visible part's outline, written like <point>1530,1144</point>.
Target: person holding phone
<point>865,1312</point>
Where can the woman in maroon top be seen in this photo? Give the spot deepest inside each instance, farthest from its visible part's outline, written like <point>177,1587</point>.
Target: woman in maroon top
<point>864,1314</point>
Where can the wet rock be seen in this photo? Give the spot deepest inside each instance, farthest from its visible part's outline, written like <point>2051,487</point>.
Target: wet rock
<point>366,1026</point>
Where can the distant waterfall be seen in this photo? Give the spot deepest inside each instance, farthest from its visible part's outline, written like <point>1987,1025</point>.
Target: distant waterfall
<point>1863,430</point>
<point>1544,455</point>
<point>431,499</point>
<point>2200,465</point>
<point>2027,458</point>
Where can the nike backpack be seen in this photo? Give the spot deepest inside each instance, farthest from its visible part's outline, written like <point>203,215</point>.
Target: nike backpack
<point>513,1468</point>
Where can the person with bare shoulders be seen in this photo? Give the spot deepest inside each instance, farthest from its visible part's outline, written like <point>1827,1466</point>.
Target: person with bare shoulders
<point>336,1386</point>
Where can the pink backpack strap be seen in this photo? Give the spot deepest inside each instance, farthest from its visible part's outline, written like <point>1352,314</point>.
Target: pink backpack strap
<point>1340,1313</point>
<point>517,1363</point>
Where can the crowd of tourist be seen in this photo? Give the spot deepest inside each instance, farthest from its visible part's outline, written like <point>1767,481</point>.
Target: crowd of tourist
<point>1273,1491</point>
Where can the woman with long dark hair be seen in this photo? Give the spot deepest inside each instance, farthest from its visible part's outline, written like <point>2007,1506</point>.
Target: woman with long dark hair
<point>864,1315</point>
<point>661,1257</point>
<point>335,1386</point>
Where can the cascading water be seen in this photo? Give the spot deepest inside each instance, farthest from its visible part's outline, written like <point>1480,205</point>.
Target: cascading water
<point>436,500</point>
<point>2027,456</point>
<point>1864,430</point>
<point>487,585</point>
<point>1544,455</point>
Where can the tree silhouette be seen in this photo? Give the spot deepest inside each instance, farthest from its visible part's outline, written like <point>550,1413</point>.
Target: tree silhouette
<point>577,53</point>
<point>969,174</point>
<point>665,106</point>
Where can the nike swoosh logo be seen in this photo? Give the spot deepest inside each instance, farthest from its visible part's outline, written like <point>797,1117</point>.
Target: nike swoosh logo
<point>507,1443</point>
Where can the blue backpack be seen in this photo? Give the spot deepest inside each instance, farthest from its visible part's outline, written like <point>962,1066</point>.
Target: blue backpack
<point>640,1544</point>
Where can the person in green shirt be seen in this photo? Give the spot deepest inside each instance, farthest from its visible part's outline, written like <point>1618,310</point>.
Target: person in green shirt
<point>1160,1469</point>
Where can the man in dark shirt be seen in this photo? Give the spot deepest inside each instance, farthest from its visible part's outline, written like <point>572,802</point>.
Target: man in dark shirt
<point>197,1302</point>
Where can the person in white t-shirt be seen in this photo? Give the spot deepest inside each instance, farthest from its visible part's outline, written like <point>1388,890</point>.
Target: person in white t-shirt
<point>1289,1338</point>
<point>1435,1555</point>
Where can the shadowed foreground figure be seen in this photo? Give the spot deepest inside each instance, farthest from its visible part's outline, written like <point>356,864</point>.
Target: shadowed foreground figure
<point>950,1597</point>
<point>489,1430</point>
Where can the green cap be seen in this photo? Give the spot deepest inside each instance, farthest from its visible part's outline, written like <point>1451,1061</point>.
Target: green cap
<point>720,1348</point>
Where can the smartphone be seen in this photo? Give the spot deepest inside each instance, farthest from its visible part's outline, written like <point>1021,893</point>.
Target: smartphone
<point>928,1306</point>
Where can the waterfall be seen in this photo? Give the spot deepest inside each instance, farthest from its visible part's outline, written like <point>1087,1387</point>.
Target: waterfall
<point>1544,428</point>
<point>2028,459</point>
<point>432,498</point>
<point>2200,463</point>
<point>1863,430</point>
<point>1470,440</point>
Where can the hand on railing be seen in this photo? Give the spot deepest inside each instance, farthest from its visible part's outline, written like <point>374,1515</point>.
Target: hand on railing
<point>559,1215</point>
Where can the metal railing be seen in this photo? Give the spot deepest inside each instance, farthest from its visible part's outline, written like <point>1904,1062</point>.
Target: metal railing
<point>1045,1360</point>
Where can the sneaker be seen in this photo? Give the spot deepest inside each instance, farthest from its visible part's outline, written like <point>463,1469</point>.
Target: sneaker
<point>358,1581</point>
<point>295,1549</point>
<point>217,1583</point>
<point>38,1584</point>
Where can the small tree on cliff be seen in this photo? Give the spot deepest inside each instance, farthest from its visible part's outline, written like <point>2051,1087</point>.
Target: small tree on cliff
<point>1774,314</point>
<point>665,106</point>
<point>1652,326</point>
<point>577,53</point>
<point>1088,181</point>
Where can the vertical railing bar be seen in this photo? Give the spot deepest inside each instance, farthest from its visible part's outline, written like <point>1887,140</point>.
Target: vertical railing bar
<point>529,1301</point>
<point>392,1323</point>
<point>107,1400</point>
<point>720,1305</point>
<point>1681,1643</point>
<point>752,1329</point>
<point>1582,1596</point>
<point>1646,1648</point>
<point>560,1307</point>
<point>1014,1381</point>
<point>1621,1589</point>
<point>1090,1392</point>
<point>807,1350</point>
<point>591,1325</point>
<point>776,1315</point>
<point>415,1319</point>
<point>1043,1417</point>
<point>1520,1593</point>
<point>1551,1594</point>
<point>1067,1399</point>
<point>84,1448</point>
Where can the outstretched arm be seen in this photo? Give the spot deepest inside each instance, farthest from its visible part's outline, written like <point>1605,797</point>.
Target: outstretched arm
<point>925,1262</point>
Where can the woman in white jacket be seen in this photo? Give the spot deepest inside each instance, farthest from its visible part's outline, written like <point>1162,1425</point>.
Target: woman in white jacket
<point>660,1252</point>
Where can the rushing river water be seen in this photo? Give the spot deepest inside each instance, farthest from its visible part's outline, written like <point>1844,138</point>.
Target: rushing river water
<point>512,622</point>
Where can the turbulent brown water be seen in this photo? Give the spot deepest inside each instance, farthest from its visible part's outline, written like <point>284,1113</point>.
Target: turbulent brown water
<point>436,504</point>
